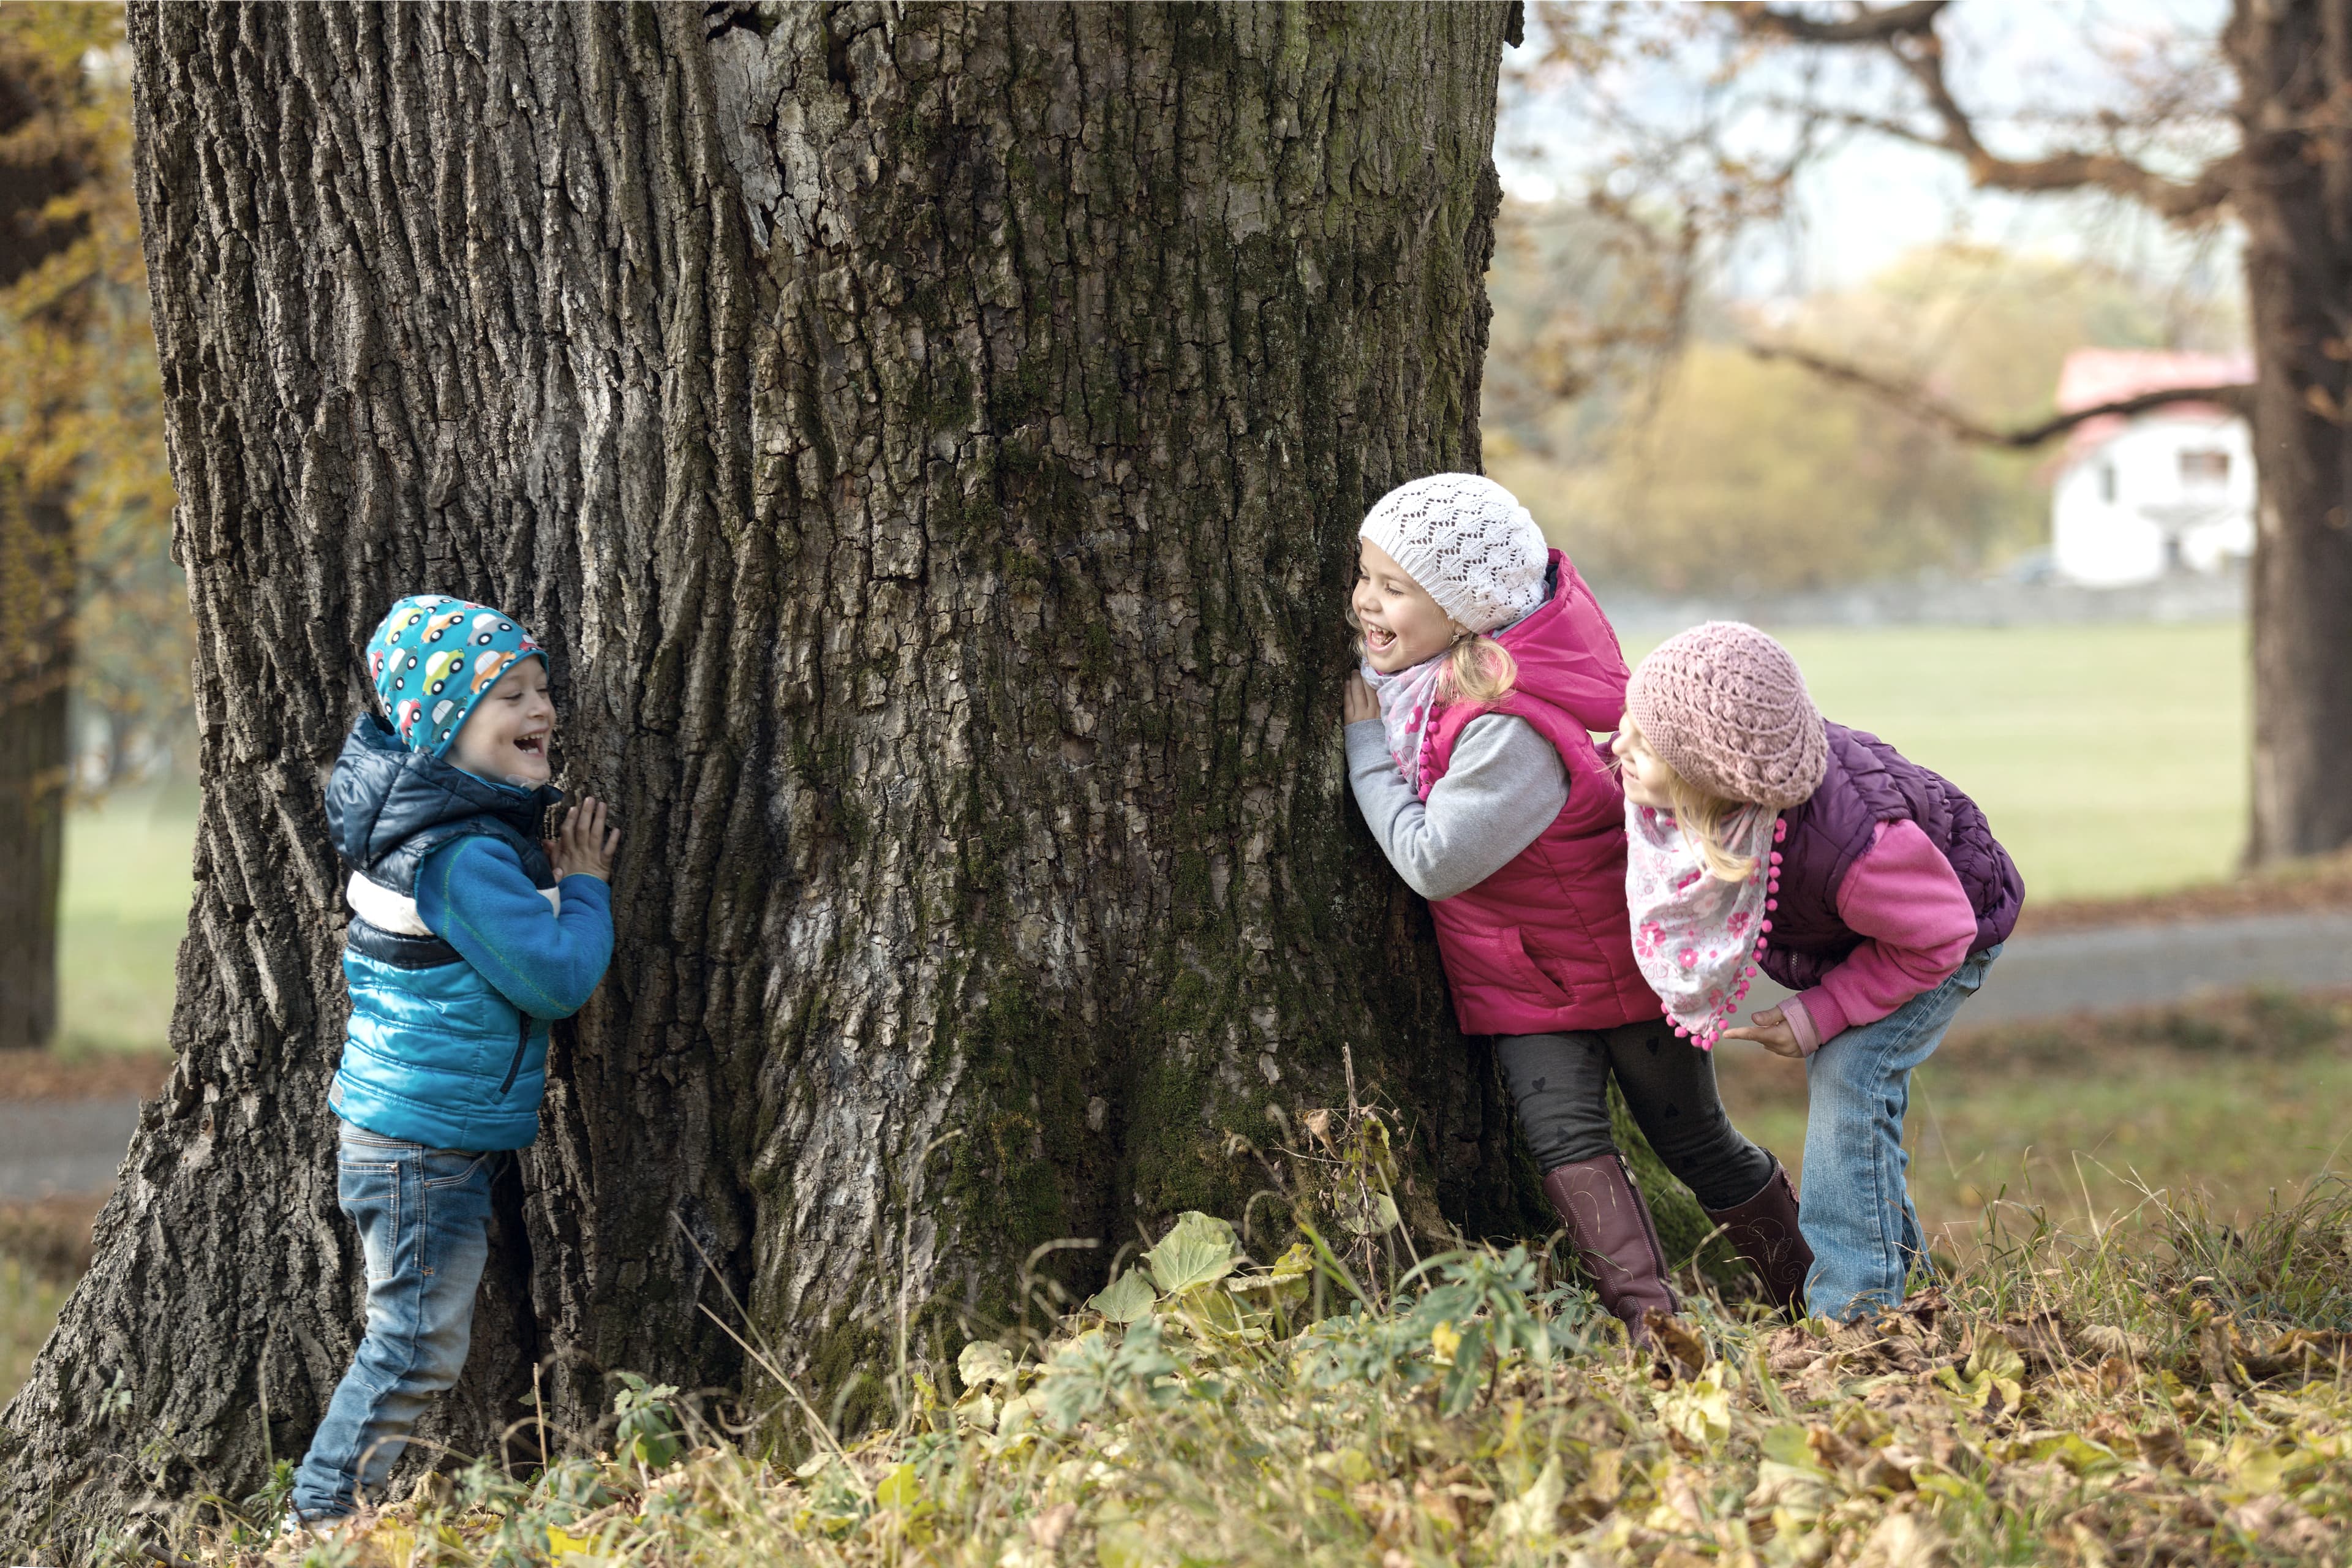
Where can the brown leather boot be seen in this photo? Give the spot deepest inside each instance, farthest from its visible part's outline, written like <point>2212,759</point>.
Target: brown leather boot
<point>1614,1238</point>
<point>1763,1230</point>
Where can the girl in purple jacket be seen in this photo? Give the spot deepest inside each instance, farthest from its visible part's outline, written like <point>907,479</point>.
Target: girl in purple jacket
<point>1486,668</point>
<point>1761,835</point>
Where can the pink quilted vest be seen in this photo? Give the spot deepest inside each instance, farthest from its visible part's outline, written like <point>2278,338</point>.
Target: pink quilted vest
<point>1544,944</point>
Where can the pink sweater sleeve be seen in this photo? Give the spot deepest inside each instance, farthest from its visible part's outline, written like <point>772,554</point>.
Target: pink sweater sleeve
<point>1907,902</point>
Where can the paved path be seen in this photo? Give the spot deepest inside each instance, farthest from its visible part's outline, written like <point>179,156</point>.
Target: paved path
<point>74,1145</point>
<point>62,1145</point>
<point>2147,966</point>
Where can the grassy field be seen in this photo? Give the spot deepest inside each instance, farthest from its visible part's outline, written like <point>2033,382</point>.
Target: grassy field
<point>2139,1358</point>
<point>2110,759</point>
<point>125,908</point>
<point>2229,1102</point>
<point>29,1302</point>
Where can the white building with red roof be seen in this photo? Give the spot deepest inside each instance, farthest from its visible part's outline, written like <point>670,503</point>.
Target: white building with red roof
<point>2167,489</point>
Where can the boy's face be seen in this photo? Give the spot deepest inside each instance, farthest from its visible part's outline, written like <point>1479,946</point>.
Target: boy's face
<point>507,735</point>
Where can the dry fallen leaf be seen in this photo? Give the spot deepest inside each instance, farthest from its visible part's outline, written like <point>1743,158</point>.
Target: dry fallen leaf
<point>2109,1341</point>
<point>1048,1528</point>
<point>1904,1541</point>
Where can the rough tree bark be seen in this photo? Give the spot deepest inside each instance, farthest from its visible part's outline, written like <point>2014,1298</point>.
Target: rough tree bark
<point>2294,196</point>
<point>930,440</point>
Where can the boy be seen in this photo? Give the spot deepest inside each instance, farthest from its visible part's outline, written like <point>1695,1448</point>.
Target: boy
<point>460,949</point>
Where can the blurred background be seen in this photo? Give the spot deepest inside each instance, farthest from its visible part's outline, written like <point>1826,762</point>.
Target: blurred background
<point>1765,343</point>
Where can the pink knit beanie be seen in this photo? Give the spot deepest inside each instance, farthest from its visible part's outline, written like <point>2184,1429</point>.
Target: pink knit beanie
<point>1725,707</point>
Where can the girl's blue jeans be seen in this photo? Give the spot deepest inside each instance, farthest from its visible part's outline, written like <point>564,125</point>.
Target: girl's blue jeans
<point>424,1217</point>
<point>1856,1212</point>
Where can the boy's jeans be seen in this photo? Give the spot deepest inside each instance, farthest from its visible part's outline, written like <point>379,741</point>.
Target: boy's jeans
<point>424,1216</point>
<point>1856,1212</point>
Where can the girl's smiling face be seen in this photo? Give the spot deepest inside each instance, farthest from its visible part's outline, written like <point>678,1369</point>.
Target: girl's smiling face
<point>1401,624</point>
<point>1641,772</point>
<point>507,735</point>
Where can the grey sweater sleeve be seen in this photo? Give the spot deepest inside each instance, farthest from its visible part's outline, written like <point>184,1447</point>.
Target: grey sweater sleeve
<point>1502,788</point>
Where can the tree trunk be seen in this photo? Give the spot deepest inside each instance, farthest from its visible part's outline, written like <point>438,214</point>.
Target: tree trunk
<point>37,585</point>
<point>2294,60</point>
<point>931,442</point>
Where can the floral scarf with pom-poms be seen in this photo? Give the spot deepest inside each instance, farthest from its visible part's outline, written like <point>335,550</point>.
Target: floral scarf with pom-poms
<point>1697,937</point>
<point>1409,701</point>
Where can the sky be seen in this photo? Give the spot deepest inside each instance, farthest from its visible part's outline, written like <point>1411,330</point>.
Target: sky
<point>1872,199</point>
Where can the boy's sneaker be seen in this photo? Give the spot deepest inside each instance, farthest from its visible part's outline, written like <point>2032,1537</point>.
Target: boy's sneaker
<point>318,1527</point>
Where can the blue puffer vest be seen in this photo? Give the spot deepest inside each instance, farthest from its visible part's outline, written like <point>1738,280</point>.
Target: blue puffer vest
<point>434,1053</point>
<point>1869,782</point>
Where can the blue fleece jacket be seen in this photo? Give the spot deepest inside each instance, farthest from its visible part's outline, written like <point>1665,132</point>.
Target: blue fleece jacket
<point>474,895</point>
<point>455,957</point>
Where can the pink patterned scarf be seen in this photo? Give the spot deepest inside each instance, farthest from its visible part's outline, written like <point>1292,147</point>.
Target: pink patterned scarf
<point>1409,701</point>
<point>1696,937</point>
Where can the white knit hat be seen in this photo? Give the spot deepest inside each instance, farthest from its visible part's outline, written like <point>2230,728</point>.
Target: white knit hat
<point>1468,543</point>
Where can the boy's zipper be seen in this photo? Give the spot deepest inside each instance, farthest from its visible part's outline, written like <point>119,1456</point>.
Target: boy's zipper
<point>515,1067</point>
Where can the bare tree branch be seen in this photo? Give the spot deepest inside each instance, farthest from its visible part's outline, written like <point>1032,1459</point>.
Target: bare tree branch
<point>1906,33</point>
<point>1863,27</point>
<point>1916,402</point>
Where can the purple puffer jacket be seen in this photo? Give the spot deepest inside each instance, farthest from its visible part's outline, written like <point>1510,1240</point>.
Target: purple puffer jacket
<point>1868,782</point>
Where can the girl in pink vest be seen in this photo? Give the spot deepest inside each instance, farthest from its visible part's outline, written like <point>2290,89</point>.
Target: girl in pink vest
<point>1486,668</point>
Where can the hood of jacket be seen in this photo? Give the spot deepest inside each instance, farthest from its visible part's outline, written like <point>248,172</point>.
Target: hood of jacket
<point>383,798</point>
<point>1567,651</point>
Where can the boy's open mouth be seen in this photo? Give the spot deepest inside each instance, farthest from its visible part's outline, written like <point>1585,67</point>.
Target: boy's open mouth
<point>532,745</point>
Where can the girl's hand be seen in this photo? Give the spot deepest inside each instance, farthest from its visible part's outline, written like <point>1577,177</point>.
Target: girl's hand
<point>1771,1032</point>
<point>585,845</point>
<point>1357,702</point>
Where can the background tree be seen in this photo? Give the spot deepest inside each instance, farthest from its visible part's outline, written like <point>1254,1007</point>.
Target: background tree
<point>50,147</point>
<point>2290,184</point>
<point>1717,469</point>
<point>91,606</point>
<point>2253,126</point>
<point>931,443</point>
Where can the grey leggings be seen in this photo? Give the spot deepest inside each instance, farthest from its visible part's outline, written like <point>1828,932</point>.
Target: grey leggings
<point>1561,1085</point>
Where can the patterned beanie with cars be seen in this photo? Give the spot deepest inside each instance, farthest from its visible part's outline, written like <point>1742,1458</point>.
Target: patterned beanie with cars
<point>434,657</point>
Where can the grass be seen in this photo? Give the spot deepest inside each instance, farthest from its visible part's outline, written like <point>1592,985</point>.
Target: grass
<point>2173,1395</point>
<point>2080,1121</point>
<point>124,910</point>
<point>30,1299</point>
<point>2111,760</point>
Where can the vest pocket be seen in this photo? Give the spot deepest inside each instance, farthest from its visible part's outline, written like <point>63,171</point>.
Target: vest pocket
<point>1503,959</point>
<point>1547,969</point>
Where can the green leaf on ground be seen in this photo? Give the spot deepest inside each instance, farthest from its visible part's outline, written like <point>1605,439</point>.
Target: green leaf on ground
<point>984,1362</point>
<point>1126,1300</point>
<point>1199,1250</point>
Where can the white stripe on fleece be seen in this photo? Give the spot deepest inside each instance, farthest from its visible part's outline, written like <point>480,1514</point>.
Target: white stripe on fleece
<point>387,911</point>
<point>383,909</point>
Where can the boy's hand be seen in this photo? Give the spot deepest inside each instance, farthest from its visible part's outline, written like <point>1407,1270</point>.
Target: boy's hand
<point>1357,702</point>
<point>585,844</point>
<point>1771,1032</point>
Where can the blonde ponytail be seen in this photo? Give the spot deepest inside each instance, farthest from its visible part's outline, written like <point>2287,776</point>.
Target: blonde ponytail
<point>1479,669</point>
